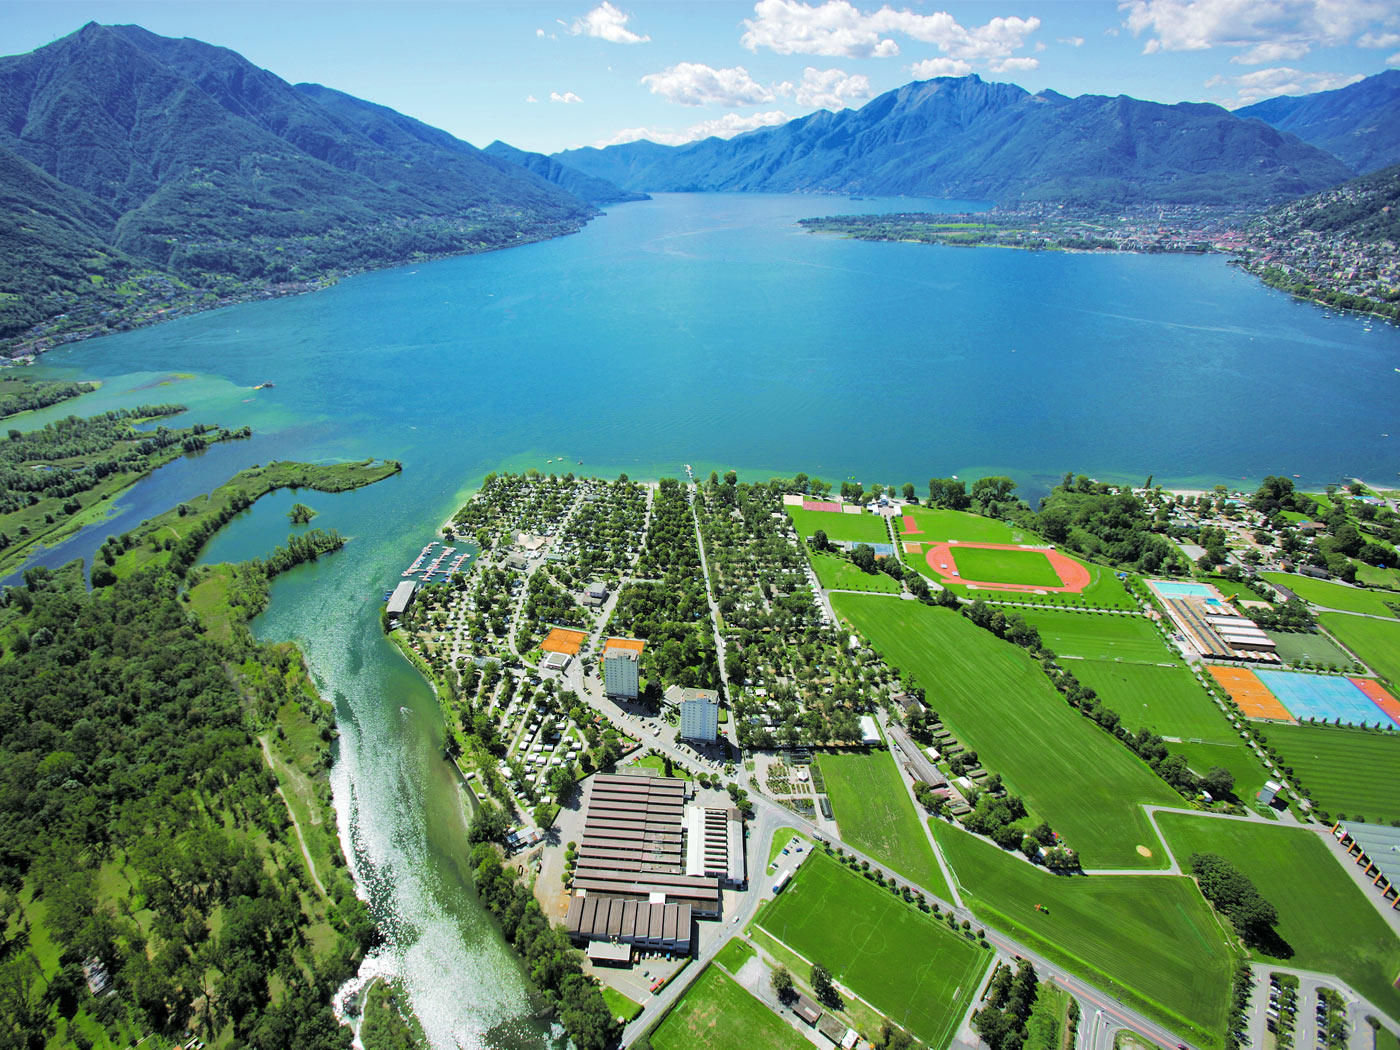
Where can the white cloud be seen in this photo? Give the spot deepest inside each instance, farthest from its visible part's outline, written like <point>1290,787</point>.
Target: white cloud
<point>1072,41</point>
<point>696,84</point>
<point>940,67</point>
<point>1378,40</point>
<point>1285,25</point>
<point>838,28</point>
<point>724,127</point>
<point>568,97</point>
<point>540,33</point>
<point>1014,65</point>
<point>1393,60</point>
<point>827,88</point>
<point>1272,51</point>
<point>531,98</point>
<point>1267,83</point>
<point>607,23</point>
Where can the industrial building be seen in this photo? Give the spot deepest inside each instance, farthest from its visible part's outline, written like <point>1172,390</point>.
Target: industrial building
<point>650,862</point>
<point>402,598</point>
<point>621,662</point>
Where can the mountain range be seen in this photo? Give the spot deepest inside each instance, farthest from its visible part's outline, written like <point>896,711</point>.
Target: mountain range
<point>964,137</point>
<point>1359,123</point>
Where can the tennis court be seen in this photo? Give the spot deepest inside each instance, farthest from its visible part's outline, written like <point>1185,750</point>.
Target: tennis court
<point>1246,690</point>
<point>564,641</point>
<point>1323,697</point>
<point>1379,696</point>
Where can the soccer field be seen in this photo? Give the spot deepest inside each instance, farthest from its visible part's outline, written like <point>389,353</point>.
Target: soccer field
<point>860,528</point>
<point>907,965</point>
<point>1149,939</point>
<point>1324,918</point>
<point>934,525</point>
<point>988,565</point>
<point>876,816</point>
<point>1376,641</point>
<point>1099,636</point>
<point>1166,699</point>
<point>1344,770</point>
<point>997,701</point>
<point>718,1014</point>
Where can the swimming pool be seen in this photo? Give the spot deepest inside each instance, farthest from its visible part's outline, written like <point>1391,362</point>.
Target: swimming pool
<point>1173,589</point>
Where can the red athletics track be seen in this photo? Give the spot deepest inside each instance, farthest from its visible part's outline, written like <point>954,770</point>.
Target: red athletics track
<point>1073,576</point>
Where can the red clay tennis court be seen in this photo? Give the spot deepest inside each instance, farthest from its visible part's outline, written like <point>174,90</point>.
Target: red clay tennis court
<point>1252,696</point>
<point>819,505</point>
<point>1073,576</point>
<point>564,641</point>
<point>1379,696</point>
<point>635,644</point>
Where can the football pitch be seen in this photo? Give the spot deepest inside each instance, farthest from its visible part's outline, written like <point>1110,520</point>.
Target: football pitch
<point>1334,595</point>
<point>905,964</point>
<point>1167,700</point>
<point>717,1013</point>
<point>1029,568</point>
<point>1376,641</point>
<point>859,528</point>
<point>934,525</point>
<point>1099,636</point>
<point>1344,770</point>
<point>999,703</point>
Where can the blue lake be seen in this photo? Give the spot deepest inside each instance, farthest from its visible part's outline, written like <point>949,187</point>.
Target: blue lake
<point>710,330</point>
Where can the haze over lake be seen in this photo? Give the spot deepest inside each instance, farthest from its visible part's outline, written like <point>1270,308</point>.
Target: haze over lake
<point>706,330</point>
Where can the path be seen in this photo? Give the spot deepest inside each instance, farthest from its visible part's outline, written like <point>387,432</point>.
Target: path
<point>296,825</point>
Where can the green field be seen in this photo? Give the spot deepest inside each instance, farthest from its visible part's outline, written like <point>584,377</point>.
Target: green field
<point>907,965</point>
<point>997,701</point>
<point>939,526</point>
<point>1099,636</point>
<point>1028,567</point>
<point>1324,917</point>
<point>734,954</point>
<point>1295,647</point>
<point>1344,770</point>
<point>837,573</point>
<point>860,528</point>
<point>1377,642</point>
<point>1236,757</point>
<point>1334,595</point>
<point>717,1013</point>
<point>1105,590</point>
<point>1149,939</point>
<point>623,1007</point>
<point>1371,576</point>
<point>876,815</point>
<point>1168,700</point>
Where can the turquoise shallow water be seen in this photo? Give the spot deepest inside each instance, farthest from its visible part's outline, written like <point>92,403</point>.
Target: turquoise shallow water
<point>706,330</point>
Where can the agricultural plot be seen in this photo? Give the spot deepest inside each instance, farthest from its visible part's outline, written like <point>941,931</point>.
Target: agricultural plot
<point>1030,568</point>
<point>1344,770</point>
<point>1166,699</point>
<point>904,963</point>
<point>876,816</point>
<point>997,701</point>
<point>717,1013</point>
<point>1149,939</point>
<point>933,525</point>
<point>1335,595</point>
<point>1099,636</point>
<point>839,574</point>
<point>1295,648</point>
<point>858,528</point>
<point>1325,920</point>
<point>1377,642</point>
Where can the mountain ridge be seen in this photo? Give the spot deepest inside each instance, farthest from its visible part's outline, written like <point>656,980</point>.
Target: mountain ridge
<point>1359,123</point>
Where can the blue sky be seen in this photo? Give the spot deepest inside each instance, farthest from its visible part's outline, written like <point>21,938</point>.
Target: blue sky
<point>547,76</point>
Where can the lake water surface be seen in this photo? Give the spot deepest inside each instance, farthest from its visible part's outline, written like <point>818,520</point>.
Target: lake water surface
<point>702,329</point>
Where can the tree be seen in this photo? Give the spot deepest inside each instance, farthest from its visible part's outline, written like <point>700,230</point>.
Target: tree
<point>863,557</point>
<point>1219,782</point>
<point>909,492</point>
<point>822,986</point>
<point>489,825</point>
<point>782,984</point>
<point>819,542</point>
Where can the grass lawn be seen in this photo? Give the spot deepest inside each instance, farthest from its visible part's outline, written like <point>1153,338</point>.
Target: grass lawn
<point>1372,576</point>
<point>1375,641</point>
<point>734,954</point>
<point>1045,1028</point>
<point>1333,595</point>
<point>907,965</point>
<point>1028,567</point>
<point>937,526</point>
<point>717,1013</point>
<point>876,815</point>
<point>1099,636</point>
<point>622,1006</point>
<point>1295,647</point>
<point>1166,699</point>
<point>1150,939</point>
<point>859,528</point>
<point>1232,589</point>
<point>1324,917</point>
<point>840,574</point>
<point>1236,757</point>
<point>997,701</point>
<point>1344,770</point>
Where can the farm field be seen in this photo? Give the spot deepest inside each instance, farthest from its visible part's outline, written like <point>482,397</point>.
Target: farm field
<point>1150,939</point>
<point>1248,771</point>
<point>997,701</point>
<point>1295,647</point>
<point>1324,917</point>
<point>1377,642</point>
<point>1099,636</point>
<point>935,525</point>
<point>876,815</point>
<point>860,528</point>
<point>1028,567</point>
<point>839,574</point>
<point>717,1013</point>
<point>907,965</point>
<point>1167,699</point>
<point>1334,595</point>
<point>1344,770</point>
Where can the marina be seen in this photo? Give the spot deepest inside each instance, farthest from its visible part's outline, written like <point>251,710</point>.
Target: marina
<point>428,566</point>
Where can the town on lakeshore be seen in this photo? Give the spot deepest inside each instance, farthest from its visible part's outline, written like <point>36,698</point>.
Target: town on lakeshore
<point>901,768</point>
